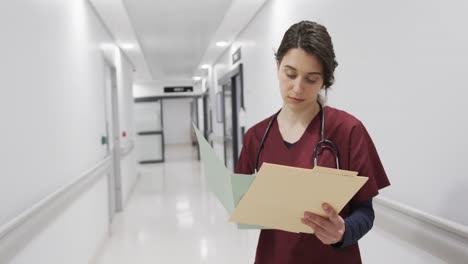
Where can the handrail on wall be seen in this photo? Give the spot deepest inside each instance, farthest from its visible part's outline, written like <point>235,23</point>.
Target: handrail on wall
<point>18,221</point>
<point>445,224</point>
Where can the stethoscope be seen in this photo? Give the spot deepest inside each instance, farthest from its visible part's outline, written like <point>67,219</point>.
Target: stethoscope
<point>323,143</point>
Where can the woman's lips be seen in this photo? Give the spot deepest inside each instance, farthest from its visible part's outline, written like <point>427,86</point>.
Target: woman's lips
<point>297,100</point>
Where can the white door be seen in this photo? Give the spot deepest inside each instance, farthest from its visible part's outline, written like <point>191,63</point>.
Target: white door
<point>113,141</point>
<point>148,123</point>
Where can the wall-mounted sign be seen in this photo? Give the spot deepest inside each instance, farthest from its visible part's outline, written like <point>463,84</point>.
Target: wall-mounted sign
<point>236,56</point>
<point>178,89</point>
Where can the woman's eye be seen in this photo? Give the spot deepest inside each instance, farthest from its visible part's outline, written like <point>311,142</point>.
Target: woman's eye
<point>291,76</point>
<point>311,81</point>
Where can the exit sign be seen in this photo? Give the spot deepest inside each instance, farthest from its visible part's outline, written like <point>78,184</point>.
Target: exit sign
<point>178,89</point>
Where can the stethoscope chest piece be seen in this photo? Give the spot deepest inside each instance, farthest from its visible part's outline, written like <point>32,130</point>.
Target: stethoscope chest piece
<point>323,142</point>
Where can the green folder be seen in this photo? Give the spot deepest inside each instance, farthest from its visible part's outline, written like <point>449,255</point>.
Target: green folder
<point>228,187</point>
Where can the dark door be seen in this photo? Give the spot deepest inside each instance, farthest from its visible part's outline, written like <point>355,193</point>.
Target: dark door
<point>232,102</point>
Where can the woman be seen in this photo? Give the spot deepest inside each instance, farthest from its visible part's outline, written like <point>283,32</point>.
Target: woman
<point>306,64</point>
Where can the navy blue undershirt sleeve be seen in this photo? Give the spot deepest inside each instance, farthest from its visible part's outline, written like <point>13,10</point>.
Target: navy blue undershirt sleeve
<point>357,224</point>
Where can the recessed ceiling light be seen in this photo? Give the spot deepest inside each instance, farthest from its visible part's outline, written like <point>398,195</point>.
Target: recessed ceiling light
<point>107,46</point>
<point>222,43</point>
<point>197,78</point>
<point>205,66</point>
<point>127,46</point>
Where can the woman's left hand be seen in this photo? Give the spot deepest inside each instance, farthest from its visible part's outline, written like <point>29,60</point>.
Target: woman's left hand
<point>329,229</point>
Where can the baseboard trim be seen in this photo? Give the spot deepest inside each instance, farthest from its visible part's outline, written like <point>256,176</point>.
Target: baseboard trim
<point>437,241</point>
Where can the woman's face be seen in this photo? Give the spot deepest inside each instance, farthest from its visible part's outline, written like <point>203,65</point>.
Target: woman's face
<point>300,77</point>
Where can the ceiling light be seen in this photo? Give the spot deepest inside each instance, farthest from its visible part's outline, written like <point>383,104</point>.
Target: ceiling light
<point>197,78</point>
<point>205,66</point>
<point>222,43</point>
<point>127,46</point>
<point>107,46</point>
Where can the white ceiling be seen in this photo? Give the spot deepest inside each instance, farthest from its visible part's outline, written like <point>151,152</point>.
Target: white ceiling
<point>172,39</point>
<point>174,34</point>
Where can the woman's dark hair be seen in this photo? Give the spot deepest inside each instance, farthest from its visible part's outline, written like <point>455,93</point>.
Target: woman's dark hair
<point>314,39</point>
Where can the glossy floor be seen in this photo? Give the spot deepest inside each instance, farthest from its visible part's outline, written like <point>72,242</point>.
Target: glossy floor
<point>172,218</point>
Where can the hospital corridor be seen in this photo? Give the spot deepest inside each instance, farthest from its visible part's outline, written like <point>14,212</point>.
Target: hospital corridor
<point>233,131</point>
<point>192,226</point>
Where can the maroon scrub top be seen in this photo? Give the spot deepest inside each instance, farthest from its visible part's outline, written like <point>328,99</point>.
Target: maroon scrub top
<point>357,153</point>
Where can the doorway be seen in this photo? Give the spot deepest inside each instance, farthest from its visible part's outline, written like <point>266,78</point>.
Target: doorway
<point>149,124</point>
<point>232,101</point>
<point>155,117</point>
<point>113,140</point>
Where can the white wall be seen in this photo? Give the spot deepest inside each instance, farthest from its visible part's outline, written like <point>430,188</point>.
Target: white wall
<point>401,71</point>
<point>177,122</point>
<point>129,175</point>
<point>53,117</point>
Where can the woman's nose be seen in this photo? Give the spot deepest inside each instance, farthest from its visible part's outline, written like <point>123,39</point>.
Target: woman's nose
<point>298,86</point>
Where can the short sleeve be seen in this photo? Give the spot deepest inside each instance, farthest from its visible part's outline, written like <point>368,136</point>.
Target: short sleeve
<point>245,163</point>
<point>364,159</point>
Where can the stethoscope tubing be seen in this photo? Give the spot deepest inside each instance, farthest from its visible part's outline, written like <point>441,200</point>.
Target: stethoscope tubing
<point>322,143</point>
